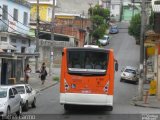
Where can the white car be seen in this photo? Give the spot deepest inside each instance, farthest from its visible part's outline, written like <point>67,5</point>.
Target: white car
<point>130,74</point>
<point>105,40</point>
<point>28,95</point>
<point>10,101</point>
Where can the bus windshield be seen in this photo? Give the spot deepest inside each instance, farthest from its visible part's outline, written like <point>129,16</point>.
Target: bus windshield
<point>87,62</point>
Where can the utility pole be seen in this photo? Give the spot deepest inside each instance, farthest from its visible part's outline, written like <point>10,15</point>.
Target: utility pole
<point>133,8</point>
<point>140,87</point>
<point>52,38</point>
<point>37,36</point>
<point>91,13</point>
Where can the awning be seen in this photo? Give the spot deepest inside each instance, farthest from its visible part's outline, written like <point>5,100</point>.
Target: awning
<point>7,46</point>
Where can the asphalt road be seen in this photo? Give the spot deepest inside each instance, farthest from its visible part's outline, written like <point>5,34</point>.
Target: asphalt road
<point>127,53</point>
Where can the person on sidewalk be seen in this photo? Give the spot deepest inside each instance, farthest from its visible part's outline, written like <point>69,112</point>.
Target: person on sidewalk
<point>43,74</point>
<point>43,65</point>
<point>27,72</point>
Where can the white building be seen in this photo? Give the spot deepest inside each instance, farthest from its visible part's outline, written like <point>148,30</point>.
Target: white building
<point>115,9</point>
<point>14,26</point>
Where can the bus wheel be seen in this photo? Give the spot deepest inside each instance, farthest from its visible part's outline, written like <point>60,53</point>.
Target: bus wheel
<point>109,108</point>
<point>66,107</point>
<point>121,80</point>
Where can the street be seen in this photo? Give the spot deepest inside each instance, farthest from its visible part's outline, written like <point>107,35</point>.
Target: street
<point>127,53</point>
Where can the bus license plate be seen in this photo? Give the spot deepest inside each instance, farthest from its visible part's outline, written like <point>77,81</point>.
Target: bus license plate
<point>86,91</point>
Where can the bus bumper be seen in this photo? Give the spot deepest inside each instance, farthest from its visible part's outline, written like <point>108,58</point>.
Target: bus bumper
<point>86,99</point>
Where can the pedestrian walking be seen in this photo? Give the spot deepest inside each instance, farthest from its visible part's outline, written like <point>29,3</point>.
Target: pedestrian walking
<point>43,74</point>
<point>27,72</point>
<point>43,65</point>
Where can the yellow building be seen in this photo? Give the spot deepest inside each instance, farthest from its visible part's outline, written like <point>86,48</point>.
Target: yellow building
<point>45,9</point>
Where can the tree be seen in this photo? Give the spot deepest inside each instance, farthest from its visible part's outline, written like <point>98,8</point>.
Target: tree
<point>99,17</point>
<point>135,27</point>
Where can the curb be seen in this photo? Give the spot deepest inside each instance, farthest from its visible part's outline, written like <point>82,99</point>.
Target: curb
<point>146,106</point>
<point>47,87</point>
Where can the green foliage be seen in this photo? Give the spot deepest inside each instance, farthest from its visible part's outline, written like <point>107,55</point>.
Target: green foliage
<point>99,32</point>
<point>135,27</point>
<point>99,18</point>
<point>56,78</point>
<point>97,10</point>
<point>151,20</point>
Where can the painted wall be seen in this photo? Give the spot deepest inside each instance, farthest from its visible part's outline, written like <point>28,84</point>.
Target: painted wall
<point>115,9</point>
<point>18,27</point>
<point>45,12</point>
<point>21,42</point>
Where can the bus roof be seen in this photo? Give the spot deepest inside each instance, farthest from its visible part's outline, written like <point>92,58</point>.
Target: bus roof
<point>87,48</point>
<point>91,46</point>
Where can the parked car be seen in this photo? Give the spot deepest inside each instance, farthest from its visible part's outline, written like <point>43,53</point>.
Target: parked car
<point>129,74</point>
<point>104,41</point>
<point>10,101</point>
<point>113,29</point>
<point>28,95</point>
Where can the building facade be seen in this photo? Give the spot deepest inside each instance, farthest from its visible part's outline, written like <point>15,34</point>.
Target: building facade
<point>15,41</point>
<point>14,25</point>
<point>45,9</point>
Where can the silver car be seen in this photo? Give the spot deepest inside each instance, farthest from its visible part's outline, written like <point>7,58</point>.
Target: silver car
<point>28,95</point>
<point>10,101</point>
<point>104,41</point>
<point>130,74</point>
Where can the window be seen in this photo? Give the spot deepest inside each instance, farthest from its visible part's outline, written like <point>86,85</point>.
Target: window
<point>5,12</point>
<point>10,92</point>
<point>15,14</point>
<point>14,91</point>
<point>13,40</point>
<point>24,41</point>
<point>25,18</point>
<point>113,6</point>
<point>4,39</point>
<point>30,89</point>
<point>87,62</point>
<point>27,89</point>
<point>20,89</point>
<point>49,12</point>
<point>23,49</point>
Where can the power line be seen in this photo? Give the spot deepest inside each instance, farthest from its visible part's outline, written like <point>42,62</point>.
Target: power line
<point>13,17</point>
<point>11,27</point>
<point>17,25</point>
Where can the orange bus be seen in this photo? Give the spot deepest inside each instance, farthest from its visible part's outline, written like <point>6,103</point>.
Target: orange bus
<point>87,77</point>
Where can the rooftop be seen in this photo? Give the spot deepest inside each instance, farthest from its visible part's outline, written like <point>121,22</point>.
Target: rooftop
<point>22,2</point>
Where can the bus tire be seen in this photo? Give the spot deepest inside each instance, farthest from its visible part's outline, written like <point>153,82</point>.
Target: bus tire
<point>66,107</point>
<point>109,108</point>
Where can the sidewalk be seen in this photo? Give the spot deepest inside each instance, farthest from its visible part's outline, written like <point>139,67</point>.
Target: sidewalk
<point>35,81</point>
<point>152,101</point>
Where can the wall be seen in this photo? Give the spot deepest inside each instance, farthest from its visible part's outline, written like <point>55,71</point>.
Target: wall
<point>43,12</point>
<point>115,9</point>
<point>21,9</point>
<point>27,43</point>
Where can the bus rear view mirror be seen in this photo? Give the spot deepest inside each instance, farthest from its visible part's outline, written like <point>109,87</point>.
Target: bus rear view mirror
<point>116,66</point>
<point>62,53</point>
